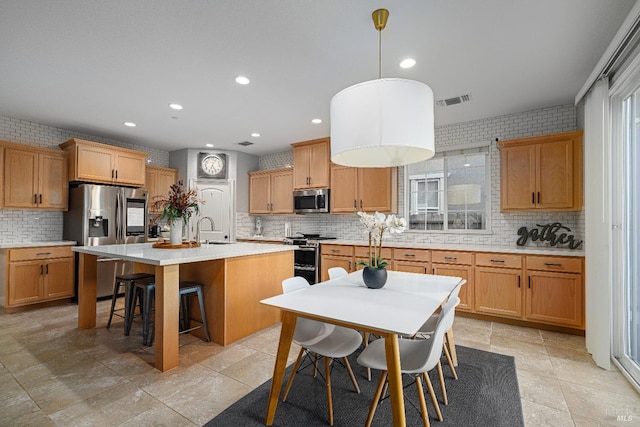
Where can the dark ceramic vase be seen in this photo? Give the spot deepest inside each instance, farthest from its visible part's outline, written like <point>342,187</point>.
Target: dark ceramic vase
<point>374,278</point>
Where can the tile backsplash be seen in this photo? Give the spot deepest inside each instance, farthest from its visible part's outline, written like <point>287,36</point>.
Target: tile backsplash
<point>504,225</point>
<point>35,226</point>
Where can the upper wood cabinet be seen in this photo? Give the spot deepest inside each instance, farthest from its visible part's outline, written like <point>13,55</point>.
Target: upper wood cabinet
<point>542,172</point>
<point>363,189</point>
<point>94,162</point>
<point>271,191</point>
<point>34,178</point>
<point>158,182</point>
<point>311,164</point>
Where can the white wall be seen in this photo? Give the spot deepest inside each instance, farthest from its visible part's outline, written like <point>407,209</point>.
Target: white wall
<point>504,225</point>
<point>30,225</point>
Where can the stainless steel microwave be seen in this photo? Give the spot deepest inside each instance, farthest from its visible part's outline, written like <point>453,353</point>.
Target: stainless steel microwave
<point>311,201</point>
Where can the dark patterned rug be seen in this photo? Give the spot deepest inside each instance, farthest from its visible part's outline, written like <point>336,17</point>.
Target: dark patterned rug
<point>485,394</point>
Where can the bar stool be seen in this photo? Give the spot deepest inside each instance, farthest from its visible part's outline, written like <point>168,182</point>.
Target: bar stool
<point>185,292</point>
<point>143,293</point>
<point>126,281</point>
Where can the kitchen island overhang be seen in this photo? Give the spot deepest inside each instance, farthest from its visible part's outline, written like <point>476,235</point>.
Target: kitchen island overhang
<point>235,277</point>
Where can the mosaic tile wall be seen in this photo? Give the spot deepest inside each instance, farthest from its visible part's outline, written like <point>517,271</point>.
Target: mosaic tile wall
<point>504,225</point>
<point>25,225</point>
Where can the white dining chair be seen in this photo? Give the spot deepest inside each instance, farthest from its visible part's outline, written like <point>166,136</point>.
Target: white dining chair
<point>319,339</point>
<point>417,358</point>
<point>336,272</point>
<point>449,346</point>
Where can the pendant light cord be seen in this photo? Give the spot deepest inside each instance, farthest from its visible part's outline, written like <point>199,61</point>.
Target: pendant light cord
<point>379,54</point>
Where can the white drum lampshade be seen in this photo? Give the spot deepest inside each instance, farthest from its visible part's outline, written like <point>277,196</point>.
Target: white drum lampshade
<point>382,123</point>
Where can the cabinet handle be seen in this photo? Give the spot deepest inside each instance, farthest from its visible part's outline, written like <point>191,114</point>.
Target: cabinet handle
<point>529,282</point>
<point>518,280</point>
<point>533,198</point>
<point>112,174</point>
<point>116,173</point>
<point>355,204</point>
<point>35,199</point>
<point>451,258</point>
<point>552,264</point>
<point>498,260</point>
<point>43,253</point>
<point>411,255</point>
<point>360,203</point>
<point>335,250</point>
<point>349,265</point>
<point>538,197</point>
<point>40,199</point>
<point>46,269</point>
<point>41,269</point>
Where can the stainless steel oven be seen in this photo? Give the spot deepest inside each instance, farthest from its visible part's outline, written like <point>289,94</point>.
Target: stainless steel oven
<point>306,258</point>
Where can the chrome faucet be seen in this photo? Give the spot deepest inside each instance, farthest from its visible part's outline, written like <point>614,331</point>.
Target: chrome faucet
<point>213,226</point>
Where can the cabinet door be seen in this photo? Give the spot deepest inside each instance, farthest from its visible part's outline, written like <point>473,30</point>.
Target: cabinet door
<point>259,193</point>
<point>150,178</point>
<point>463,271</point>
<point>554,181</point>
<point>95,164</point>
<point>374,189</point>
<point>344,188</point>
<point>282,192</point>
<point>20,179</point>
<point>498,291</point>
<point>412,267</point>
<point>164,181</point>
<point>53,185</point>
<point>130,168</point>
<point>25,282</point>
<point>319,165</point>
<point>555,298</point>
<point>301,156</point>
<point>329,261</point>
<point>518,177</point>
<point>58,278</point>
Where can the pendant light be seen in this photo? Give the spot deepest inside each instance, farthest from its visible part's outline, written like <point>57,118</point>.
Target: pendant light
<point>384,122</point>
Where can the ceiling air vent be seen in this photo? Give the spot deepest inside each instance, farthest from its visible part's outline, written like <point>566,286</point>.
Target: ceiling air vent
<point>245,143</point>
<point>453,101</point>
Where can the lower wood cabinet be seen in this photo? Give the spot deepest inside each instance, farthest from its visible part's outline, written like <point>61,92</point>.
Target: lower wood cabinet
<point>499,284</point>
<point>555,291</point>
<point>33,275</point>
<point>528,288</point>
<point>458,264</point>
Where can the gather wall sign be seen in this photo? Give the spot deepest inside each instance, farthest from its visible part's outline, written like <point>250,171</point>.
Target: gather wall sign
<point>554,234</point>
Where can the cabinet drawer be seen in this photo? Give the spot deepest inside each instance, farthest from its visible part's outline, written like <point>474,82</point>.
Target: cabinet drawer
<point>345,250</point>
<point>569,265</point>
<point>43,252</point>
<point>450,257</point>
<point>499,260</point>
<point>422,255</point>
<point>363,252</point>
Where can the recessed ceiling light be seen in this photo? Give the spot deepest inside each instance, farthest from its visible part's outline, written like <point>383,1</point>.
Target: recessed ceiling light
<point>407,63</point>
<point>242,80</point>
<point>467,164</point>
<point>175,106</point>
<point>208,145</point>
<point>129,124</point>
<point>255,135</point>
<point>316,121</point>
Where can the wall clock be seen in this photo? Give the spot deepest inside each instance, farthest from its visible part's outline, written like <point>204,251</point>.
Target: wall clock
<point>212,165</point>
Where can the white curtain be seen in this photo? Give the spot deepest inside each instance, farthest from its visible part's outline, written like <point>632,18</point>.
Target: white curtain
<point>597,206</point>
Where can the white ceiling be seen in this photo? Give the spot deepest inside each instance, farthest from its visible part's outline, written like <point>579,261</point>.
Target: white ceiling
<point>90,65</point>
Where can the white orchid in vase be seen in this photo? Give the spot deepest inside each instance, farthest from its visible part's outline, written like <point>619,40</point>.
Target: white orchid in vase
<point>377,226</point>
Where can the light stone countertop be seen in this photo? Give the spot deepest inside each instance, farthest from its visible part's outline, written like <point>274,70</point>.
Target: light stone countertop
<point>144,252</point>
<point>16,245</point>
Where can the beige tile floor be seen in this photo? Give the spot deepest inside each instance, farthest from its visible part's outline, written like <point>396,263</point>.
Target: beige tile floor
<point>51,373</point>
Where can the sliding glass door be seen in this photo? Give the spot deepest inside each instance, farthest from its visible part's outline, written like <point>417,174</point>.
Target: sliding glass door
<point>625,104</point>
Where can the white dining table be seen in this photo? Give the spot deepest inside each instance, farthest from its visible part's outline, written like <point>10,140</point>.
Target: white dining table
<point>399,308</point>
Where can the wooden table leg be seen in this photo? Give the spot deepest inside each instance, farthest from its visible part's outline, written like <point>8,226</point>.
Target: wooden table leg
<point>392,352</point>
<point>286,336</point>
<point>166,317</point>
<point>87,290</point>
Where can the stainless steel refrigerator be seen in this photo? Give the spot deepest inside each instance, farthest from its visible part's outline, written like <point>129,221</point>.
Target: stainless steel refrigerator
<point>106,215</point>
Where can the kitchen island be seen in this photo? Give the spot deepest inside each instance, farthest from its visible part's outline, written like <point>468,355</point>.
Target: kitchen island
<point>234,278</point>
